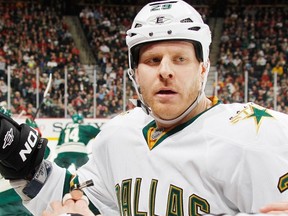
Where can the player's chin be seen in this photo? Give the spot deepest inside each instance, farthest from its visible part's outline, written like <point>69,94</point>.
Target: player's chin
<point>166,111</point>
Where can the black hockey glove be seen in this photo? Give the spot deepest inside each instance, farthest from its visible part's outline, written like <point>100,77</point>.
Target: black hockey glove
<point>21,149</point>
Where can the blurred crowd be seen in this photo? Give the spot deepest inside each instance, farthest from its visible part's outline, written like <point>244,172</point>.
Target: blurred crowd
<point>254,42</point>
<point>35,39</point>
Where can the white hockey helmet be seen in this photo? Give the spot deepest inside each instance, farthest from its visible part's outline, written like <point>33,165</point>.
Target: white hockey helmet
<point>168,20</point>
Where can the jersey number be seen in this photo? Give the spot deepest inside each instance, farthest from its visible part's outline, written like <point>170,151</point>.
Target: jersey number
<point>161,7</point>
<point>71,135</point>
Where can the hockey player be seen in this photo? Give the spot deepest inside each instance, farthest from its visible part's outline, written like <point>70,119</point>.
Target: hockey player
<point>72,147</point>
<point>185,154</point>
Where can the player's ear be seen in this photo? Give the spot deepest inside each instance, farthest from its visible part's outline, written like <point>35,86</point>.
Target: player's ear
<point>205,67</point>
<point>202,70</point>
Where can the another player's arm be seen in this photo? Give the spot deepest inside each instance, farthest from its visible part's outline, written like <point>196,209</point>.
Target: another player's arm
<point>21,162</point>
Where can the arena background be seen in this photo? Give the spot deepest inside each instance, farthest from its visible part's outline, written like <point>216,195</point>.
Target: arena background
<point>82,44</point>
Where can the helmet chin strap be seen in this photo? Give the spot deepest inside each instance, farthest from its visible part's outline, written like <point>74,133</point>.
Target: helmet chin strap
<point>165,122</point>
<point>169,122</point>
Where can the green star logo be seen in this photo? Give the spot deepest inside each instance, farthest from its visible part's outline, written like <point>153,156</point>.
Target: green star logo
<point>256,112</point>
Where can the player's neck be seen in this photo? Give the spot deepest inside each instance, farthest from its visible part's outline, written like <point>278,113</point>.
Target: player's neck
<point>203,105</point>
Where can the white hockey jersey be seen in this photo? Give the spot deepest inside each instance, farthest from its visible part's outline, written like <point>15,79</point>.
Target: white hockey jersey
<point>231,158</point>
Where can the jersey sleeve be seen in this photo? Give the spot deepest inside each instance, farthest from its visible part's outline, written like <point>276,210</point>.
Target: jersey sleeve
<point>98,194</point>
<point>56,185</point>
<point>100,170</point>
<point>51,191</point>
<point>249,176</point>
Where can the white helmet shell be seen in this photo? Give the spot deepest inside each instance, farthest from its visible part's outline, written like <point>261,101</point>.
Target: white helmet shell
<point>169,20</point>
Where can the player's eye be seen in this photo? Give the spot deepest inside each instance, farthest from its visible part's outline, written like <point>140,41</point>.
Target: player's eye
<point>180,59</point>
<point>152,61</point>
<point>156,59</point>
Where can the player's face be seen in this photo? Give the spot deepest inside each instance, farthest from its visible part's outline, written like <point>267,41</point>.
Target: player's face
<point>169,76</point>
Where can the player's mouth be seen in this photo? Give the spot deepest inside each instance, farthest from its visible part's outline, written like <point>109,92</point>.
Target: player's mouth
<point>165,94</point>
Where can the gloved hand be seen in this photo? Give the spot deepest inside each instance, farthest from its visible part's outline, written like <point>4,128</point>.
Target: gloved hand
<point>21,149</point>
